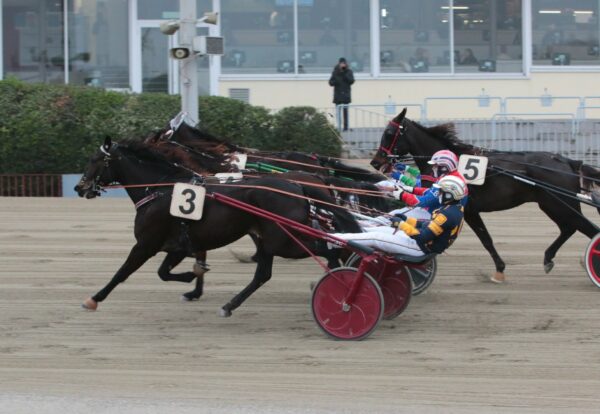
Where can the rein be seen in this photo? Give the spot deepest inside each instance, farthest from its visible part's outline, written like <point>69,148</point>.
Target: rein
<point>319,167</point>
<point>257,187</point>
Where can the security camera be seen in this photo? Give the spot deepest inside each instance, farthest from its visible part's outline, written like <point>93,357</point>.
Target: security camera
<point>169,27</point>
<point>179,52</point>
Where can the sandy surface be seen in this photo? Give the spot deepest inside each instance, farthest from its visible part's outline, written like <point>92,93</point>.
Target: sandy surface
<point>532,345</point>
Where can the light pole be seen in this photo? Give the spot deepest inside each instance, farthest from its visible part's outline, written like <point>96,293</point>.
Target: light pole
<point>188,67</point>
<point>191,46</point>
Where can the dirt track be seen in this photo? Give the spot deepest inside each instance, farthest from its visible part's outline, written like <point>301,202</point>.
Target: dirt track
<point>532,345</point>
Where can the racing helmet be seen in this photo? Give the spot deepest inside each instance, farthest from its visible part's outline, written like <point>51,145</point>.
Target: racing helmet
<point>452,189</point>
<point>443,162</point>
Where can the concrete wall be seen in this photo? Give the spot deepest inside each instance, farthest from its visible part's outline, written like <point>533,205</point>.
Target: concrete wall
<point>277,94</point>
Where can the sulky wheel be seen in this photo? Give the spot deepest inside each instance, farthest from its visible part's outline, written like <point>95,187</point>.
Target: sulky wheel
<point>393,279</point>
<point>353,261</point>
<point>397,288</point>
<point>592,260</point>
<point>422,275</point>
<point>339,320</point>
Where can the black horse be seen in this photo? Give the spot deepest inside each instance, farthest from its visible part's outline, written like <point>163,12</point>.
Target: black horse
<point>133,165</point>
<point>500,190</point>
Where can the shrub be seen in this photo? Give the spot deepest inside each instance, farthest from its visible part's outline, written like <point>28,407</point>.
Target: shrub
<point>54,128</point>
<point>302,128</point>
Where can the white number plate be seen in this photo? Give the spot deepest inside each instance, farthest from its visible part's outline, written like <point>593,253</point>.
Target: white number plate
<point>187,201</point>
<point>473,168</point>
<point>241,160</point>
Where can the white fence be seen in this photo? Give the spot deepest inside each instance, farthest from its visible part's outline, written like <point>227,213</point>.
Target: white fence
<point>574,138</point>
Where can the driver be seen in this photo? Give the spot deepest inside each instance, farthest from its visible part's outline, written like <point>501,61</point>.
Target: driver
<point>444,163</point>
<point>418,239</point>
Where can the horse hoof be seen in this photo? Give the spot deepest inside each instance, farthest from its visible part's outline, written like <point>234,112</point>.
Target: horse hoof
<point>548,267</point>
<point>498,278</point>
<point>185,298</point>
<point>89,304</point>
<point>224,313</point>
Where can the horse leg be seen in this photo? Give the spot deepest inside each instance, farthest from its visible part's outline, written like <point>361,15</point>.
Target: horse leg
<point>200,267</point>
<point>568,224</point>
<point>138,255</point>
<point>566,231</point>
<point>171,261</point>
<point>474,221</point>
<point>262,274</point>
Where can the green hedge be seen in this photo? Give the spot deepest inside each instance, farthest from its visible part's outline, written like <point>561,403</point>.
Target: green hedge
<point>54,128</point>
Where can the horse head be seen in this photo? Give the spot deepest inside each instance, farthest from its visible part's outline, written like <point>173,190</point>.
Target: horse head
<point>391,145</point>
<point>97,173</point>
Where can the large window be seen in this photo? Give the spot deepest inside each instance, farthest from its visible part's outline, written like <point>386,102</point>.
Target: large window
<point>33,40</point>
<point>330,29</point>
<point>166,9</point>
<point>565,32</point>
<point>258,36</point>
<point>414,36</point>
<point>487,36</point>
<point>98,43</point>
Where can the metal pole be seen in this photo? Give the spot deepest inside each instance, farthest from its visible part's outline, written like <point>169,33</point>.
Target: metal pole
<point>188,70</point>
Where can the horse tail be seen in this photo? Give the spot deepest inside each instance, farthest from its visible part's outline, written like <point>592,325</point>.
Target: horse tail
<point>589,177</point>
<point>343,220</point>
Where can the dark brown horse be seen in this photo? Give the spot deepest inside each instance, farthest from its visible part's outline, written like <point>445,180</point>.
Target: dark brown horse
<point>201,142</point>
<point>501,191</point>
<point>135,165</point>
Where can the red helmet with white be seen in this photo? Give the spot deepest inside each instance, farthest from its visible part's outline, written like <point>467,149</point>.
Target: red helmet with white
<point>443,162</point>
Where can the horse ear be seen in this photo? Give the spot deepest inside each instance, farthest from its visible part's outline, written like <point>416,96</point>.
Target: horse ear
<point>107,143</point>
<point>400,116</point>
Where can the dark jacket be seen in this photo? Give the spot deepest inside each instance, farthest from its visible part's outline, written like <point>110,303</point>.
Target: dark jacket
<point>341,81</point>
<point>439,233</point>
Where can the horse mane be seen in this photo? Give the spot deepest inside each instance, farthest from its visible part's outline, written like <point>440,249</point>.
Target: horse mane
<point>165,153</point>
<point>202,141</point>
<point>446,134</point>
<point>197,150</point>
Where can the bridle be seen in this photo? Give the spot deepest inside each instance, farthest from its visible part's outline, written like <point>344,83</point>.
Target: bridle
<point>95,187</point>
<point>391,150</point>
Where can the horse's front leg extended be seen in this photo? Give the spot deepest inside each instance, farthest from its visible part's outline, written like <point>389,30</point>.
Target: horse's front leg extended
<point>138,255</point>
<point>262,274</point>
<point>474,221</point>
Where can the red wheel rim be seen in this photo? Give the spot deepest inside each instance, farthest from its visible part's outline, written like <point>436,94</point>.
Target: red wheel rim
<point>396,287</point>
<point>592,262</point>
<point>360,319</point>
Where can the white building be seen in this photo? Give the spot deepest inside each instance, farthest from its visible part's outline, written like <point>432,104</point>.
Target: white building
<point>281,52</point>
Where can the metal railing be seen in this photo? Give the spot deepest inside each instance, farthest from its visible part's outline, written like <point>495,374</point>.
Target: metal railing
<point>377,115</point>
<point>30,185</point>
<point>572,137</point>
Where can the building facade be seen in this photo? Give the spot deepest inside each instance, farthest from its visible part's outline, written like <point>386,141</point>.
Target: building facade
<point>281,52</point>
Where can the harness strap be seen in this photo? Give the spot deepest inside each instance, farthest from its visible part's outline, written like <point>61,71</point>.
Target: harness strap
<point>147,199</point>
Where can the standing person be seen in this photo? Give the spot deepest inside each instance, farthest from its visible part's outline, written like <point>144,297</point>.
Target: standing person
<point>341,79</point>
